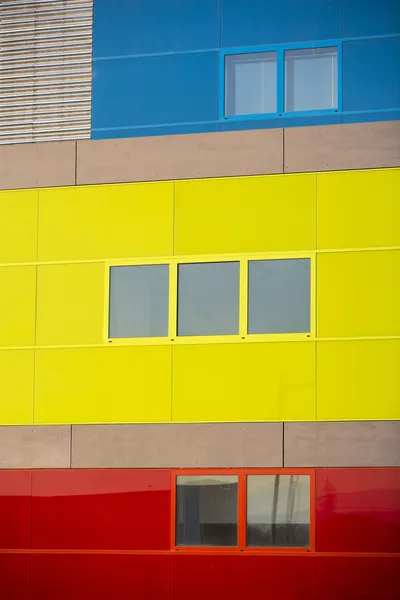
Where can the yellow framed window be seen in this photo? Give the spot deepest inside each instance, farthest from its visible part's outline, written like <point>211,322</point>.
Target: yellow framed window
<point>207,300</point>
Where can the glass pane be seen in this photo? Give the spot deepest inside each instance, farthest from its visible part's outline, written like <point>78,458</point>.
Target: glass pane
<point>278,511</point>
<point>206,510</point>
<point>139,301</point>
<point>279,296</point>
<point>311,79</point>
<point>250,83</point>
<point>208,298</point>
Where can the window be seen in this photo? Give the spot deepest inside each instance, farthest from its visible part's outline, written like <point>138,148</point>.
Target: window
<point>206,510</point>
<point>244,509</point>
<point>279,296</point>
<point>311,79</point>
<point>208,298</point>
<point>139,301</point>
<point>280,81</point>
<point>250,83</point>
<point>236,299</point>
<point>278,511</point>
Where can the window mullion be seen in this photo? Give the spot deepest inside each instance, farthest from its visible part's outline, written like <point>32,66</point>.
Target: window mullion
<point>280,88</point>
<point>173,300</point>
<point>243,297</point>
<point>242,512</point>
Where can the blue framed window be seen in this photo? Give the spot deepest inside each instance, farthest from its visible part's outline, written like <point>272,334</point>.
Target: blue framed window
<point>278,81</point>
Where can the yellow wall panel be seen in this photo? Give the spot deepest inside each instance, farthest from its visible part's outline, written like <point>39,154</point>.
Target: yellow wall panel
<point>246,214</point>
<point>16,387</point>
<point>17,306</point>
<point>358,380</point>
<point>249,382</point>
<point>358,294</point>
<point>359,209</point>
<point>103,385</point>
<point>70,304</point>
<point>107,221</point>
<point>18,226</point>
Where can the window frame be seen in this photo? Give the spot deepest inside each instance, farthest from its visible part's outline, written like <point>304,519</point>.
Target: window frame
<point>280,83</point>
<point>241,547</point>
<point>243,336</point>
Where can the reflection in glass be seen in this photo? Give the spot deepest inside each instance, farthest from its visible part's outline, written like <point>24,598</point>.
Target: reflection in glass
<point>278,511</point>
<point>206,510</point>
<point>250,83</point>
<point>279,296</point>
<point>311,79</point>
<point>139,301</point>
<point>208,298</point>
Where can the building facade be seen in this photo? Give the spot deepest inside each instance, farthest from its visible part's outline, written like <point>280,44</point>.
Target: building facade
<point>199,274</point>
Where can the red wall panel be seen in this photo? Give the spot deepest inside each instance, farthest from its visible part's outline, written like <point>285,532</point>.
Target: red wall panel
<point>14,576</point>
<point>198,577</point>
<point>358,510</point>
<point>99,577</point>
<point>15,506</point>
<point>101,509</point>
<point>353,578</point>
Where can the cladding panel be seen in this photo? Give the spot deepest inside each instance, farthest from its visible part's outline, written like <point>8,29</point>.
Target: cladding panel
<point>256,22</point>
<point>180,157</point>
<point>176,88</point>
<point>355,146</point>
<point>175,445</point>
<point>23,447</point>
<point>255,577</point>
<point>99,576</point>
<point>368,17</point>
<point>101,509</point>
<point>359,209</point>
<point>16,387</point>
<point>258,214</point>
<point>358,380</point>
<point>14,576</point>
<point>70,308</point>
<point>18,226</point>
<point>345,578</point>
<point>352,444</point>
<point>370,74</point>
<point>358,294</point>
<point>17,306</point>
<point>103,385</point>
<point>358,510</point>
<point>15,509</point>
<point>105,222</point>
<point>250,382</point>
<point>154,26</point>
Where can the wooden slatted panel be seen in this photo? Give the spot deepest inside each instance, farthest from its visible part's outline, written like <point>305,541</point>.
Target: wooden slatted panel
<point>45,70</point>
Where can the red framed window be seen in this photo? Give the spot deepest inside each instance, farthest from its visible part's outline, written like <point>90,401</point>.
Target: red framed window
<point>243,510</point>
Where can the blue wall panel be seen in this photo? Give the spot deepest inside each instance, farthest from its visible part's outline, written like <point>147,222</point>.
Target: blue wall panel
<point>150,91</point>
<point>370,117</point>
<point>371,17</point>
<point>152,131</point>
<point>126,27</point>
<point>371,71</point>
<point>255,22</point>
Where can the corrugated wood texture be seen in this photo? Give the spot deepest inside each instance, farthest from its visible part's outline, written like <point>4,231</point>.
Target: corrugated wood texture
<point>45,70</point>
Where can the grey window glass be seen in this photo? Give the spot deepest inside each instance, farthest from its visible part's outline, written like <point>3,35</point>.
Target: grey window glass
<point>250,83</point>
<point>311,79</point>
<point>139,301</point>
<point>206,510</point>
<point>279,296</point>
<point>208,298</point>
<point>278,511</point>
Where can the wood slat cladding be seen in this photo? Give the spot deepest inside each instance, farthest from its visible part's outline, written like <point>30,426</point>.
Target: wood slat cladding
<point>45,70</point>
